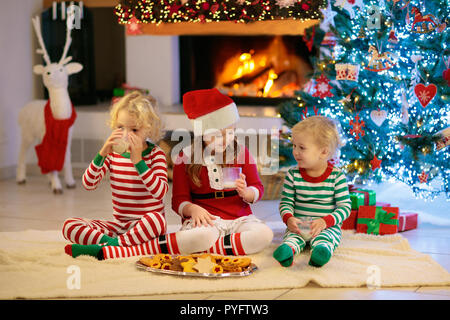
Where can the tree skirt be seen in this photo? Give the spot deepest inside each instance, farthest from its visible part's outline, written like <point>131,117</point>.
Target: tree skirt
<point>33,265</point>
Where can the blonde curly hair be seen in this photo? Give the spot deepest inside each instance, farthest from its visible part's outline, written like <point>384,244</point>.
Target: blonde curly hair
<point>324,131</point>
<point>143,109</point>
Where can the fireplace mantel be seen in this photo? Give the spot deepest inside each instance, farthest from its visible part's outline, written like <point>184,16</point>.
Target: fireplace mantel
<point>273,27</point>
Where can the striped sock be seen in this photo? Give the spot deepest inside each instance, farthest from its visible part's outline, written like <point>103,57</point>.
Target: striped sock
<point>230,245</point>
<point>163,244</point>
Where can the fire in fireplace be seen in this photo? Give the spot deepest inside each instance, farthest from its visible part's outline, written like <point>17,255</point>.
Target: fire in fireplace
<point>251,69</point>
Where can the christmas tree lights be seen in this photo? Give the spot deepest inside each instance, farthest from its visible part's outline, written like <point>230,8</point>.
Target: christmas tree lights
<point>387,66</point>
<point>241,11</point>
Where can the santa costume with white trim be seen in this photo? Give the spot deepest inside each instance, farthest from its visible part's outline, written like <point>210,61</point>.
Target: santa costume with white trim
<point>237,230</point>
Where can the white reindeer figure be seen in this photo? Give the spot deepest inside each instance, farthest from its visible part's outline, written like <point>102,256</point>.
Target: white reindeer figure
<point>32,117</point>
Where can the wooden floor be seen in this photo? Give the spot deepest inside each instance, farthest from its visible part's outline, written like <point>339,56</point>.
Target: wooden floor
<point>33,206</point>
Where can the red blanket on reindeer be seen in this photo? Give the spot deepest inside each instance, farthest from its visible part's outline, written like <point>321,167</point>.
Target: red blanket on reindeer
<point>52,150</point>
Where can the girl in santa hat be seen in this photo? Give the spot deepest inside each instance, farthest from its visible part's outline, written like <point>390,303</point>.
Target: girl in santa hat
<point>205,203</point>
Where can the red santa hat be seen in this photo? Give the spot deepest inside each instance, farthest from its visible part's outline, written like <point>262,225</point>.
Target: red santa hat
<point>212,109</point>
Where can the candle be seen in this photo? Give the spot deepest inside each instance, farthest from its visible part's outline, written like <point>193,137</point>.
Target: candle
<point>54,10</point>
<point>63,10</point>
<point>80,4</point>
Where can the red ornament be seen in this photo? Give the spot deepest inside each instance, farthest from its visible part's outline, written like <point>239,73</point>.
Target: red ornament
<point>425,93</point>
<point>322,87</point>
<point>134,27</point>
<point>375,163</point>
<point>423,177</point>
<point>357,129</point>
<point>392,37</point>
<point>446,76</point>
<point>174,8</point>
<point>309,42</point>
<point>214,8</point>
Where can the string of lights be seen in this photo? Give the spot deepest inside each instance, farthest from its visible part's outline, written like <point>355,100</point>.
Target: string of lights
<point>239,11</point>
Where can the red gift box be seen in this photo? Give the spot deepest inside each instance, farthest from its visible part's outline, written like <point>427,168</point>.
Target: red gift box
<point>350,222</point>
<point>407,221</point>
<point>377,220</point>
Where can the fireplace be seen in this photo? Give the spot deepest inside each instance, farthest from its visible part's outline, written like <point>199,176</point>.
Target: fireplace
<point>253,70</point>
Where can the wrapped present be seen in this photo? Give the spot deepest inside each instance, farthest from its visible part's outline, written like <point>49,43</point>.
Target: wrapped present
<point>377,220</point>
<point>407,221</point>
<point>357,200</point>
<point>382,204</point>
<point>350,222</point>
<point>370,197</point>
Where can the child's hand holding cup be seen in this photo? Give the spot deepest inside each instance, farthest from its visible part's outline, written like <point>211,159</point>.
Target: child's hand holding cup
<point>230,175</point>
<point>305,228</point>
<point>122,144</point>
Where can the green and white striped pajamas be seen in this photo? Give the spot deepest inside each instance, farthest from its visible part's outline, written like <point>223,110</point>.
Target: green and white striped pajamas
<point>325,197</point>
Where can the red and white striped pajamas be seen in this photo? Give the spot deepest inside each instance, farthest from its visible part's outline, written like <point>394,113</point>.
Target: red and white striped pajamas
<point>137,196</point>
<point>162,244</point>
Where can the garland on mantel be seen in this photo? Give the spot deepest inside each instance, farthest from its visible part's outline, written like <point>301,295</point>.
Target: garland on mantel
<point>244,11</point>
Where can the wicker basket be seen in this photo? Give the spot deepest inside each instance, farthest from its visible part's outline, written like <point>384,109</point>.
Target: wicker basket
<point>273,185</point>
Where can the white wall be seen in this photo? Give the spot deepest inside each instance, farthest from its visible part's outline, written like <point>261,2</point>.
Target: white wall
<point>18,84</point>
<point>152,62</point>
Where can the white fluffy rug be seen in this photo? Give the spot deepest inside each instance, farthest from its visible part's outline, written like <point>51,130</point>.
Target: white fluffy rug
<point>33,265</point>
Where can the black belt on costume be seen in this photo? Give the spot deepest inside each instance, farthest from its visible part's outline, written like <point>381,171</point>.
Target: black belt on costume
<point>214,195</point>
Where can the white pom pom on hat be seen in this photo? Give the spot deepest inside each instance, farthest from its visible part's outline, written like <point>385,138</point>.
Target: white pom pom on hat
<point>210,108</point>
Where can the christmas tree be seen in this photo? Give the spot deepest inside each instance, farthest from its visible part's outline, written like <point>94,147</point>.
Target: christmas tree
<point>381,70</point>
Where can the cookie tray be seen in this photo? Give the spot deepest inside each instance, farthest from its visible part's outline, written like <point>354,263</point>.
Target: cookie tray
<point>248,271</point>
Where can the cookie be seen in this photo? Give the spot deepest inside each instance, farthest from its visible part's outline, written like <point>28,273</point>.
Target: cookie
<point>218,258</point>
<point>231,268</point>
<point>165,266</point>
<point>217,269</point>
<point>155,265</point>
<point>188,265</point>
<point>207,256</point>
<point>163,257</point>
<point>226,260</point>
<point>242,262</point>
<point>187,259</point>
<point>176,265</point>
<point>147,261</point>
